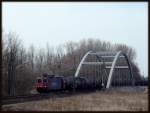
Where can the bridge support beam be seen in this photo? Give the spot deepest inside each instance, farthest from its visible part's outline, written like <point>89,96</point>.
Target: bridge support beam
<point>112,69</point>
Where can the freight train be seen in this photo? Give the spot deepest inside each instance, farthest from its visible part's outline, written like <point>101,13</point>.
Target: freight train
<point>49,83</point>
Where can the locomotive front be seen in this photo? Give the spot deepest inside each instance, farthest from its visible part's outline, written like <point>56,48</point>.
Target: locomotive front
<point>47,83</point>
<point>41,84</point>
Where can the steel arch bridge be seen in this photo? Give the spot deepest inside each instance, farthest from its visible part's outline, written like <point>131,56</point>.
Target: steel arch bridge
<point>110,63</point>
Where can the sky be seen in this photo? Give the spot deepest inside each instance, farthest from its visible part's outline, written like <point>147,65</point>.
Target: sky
<point>39,23</point>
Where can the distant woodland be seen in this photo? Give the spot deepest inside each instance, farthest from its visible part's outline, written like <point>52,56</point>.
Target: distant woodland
<point>21,66</point>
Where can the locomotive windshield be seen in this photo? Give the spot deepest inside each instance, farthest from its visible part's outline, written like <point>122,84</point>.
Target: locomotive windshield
<point>39,80</point>
<point>45,80</point>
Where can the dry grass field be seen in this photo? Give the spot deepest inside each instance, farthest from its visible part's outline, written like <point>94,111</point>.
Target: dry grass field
<point>109,100</point>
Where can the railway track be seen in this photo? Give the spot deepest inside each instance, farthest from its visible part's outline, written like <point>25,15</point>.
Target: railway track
<point>22,98</point>
<point>31,97</point>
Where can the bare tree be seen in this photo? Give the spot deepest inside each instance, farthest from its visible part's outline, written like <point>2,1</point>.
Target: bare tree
<point>31,56</point>
<point>15,73</point>
<point>71,48</point>
<point>13,45</point>
<point>40,60</point>
<point>49,59</point>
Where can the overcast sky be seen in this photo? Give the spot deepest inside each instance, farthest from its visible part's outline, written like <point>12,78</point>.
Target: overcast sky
<point>56,23</point>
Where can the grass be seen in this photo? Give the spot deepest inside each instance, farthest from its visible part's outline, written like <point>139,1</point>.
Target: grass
<point>111,100</point>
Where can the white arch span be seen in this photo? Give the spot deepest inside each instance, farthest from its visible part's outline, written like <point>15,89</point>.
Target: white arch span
<point>112,67</point>
<point>81,62</point>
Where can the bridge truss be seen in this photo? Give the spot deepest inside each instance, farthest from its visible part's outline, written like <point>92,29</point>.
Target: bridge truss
<point>106,68</point>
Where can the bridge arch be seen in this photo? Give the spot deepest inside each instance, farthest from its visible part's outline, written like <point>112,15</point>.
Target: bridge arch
<point>82,61</point>
<point>117,54</point>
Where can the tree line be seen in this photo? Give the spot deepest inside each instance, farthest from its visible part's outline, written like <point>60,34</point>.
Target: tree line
<point>21,66</point>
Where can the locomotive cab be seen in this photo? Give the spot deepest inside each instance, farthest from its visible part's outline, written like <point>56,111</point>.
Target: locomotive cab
<point>49,83</point>
<point>41,84</point>
<point>45,82</point>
